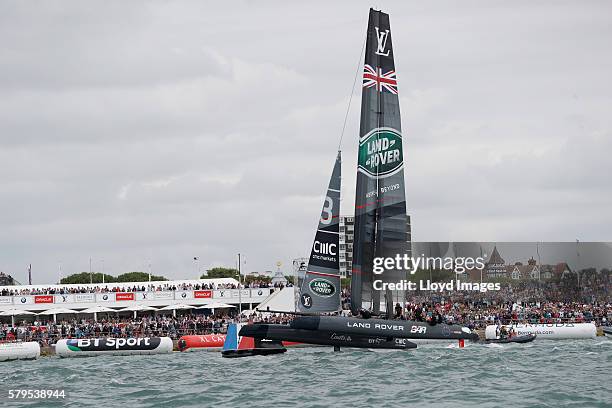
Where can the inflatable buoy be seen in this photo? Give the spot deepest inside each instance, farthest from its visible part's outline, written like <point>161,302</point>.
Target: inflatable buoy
<point>26,350</point>
<point>113,346</point>
<point>549,331</point>
<point>203,342</point>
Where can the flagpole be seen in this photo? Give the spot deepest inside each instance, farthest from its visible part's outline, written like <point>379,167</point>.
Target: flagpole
<point>239,288</point>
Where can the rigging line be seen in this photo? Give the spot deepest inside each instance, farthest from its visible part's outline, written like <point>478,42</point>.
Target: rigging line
<point>348,108</point>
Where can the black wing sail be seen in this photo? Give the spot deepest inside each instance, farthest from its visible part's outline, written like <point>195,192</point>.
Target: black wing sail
<point>320,290</point>
<point>380,202</point>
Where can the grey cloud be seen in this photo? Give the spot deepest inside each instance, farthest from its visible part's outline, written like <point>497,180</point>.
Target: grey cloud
<point>167,130</point>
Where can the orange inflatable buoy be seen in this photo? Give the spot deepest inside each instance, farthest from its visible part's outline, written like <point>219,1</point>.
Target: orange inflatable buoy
<point>206,341</point>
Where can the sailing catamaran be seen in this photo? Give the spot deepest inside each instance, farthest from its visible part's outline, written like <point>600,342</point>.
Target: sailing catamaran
<point>380,230</point>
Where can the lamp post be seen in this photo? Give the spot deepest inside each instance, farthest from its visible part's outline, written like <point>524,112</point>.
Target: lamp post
<point>196,265</point>
<point>239,288</point>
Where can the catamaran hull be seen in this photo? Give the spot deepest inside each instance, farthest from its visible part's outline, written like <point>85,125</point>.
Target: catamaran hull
<point>407,329</point>
<point>280,332</point>
<point>361,333</point>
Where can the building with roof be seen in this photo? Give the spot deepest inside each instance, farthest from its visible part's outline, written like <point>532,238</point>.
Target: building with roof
<point>497,268</point>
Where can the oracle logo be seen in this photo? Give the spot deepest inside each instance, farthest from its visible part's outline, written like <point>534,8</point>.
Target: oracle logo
<point>124,296</point>
<point>202,294</point>
<point>43,299</point>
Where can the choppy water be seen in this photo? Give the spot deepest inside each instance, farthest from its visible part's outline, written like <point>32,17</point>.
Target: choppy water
<point>546,373</point>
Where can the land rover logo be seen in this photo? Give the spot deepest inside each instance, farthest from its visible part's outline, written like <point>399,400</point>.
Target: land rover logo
<point>380,152</point>
<point>322,287</point>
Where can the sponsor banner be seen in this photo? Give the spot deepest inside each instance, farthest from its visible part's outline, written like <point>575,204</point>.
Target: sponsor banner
<point>105,297</point>
<point>235,293</point>
<point>183,294</point>
<point>144,295</point>
<point>223,293</point>
<point>6,300</point>
<point>110,344</point>
<point>64,298</point>
<point>261,292</point>
<point>202,294</point>
<point>121,296</point>
<point>168,295</point>
<point>85,297</point>
<point>245,293</point>
<point>43,299</point>
<point>24,300</point>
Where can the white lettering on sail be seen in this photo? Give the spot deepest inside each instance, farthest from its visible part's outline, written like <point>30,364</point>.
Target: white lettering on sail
<point>381,37</point>
<point>327,216</point>
<point>326,248</point>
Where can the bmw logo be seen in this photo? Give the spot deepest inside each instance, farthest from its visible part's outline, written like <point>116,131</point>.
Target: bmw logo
<point>183,295</point>
<point>260,292</point>
<point>105,297</point>
<point>23,300</point>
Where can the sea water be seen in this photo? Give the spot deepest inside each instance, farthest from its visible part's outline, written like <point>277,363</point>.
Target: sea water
<point>555,374</point>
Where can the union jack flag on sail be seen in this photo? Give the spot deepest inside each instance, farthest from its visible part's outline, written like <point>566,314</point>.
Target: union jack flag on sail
<point>375,77</point>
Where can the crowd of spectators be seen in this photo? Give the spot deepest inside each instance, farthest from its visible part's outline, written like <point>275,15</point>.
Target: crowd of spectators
<point>8,291</point>
<point>523,301</point>
<point>518,302</point>
<point>47,332</point>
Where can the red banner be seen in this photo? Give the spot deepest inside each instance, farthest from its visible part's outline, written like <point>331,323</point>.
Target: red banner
<point>43,299</point>
<point>202,294</point>
<point>124,296</point>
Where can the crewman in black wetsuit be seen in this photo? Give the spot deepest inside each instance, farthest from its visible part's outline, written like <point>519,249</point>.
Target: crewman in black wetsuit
<point>398,311</point>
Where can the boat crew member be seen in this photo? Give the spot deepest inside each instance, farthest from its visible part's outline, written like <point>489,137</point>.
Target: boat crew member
<point>398,311</point>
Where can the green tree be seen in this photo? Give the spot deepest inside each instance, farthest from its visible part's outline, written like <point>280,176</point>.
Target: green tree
<point>250,278</point>
<point>138,277</point>
<point>220,272</point>
<point>84,278</point>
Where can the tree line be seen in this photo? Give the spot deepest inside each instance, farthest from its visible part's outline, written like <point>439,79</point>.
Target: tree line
<point>213,273</point>
<point>96,277</point>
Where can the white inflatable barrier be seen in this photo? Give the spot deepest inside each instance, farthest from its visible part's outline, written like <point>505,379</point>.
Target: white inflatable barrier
<point>26,350</point>
<point>113,346</point>
<point>552,331</point>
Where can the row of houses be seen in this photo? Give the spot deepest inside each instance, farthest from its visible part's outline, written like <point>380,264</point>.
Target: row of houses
<point>496,268</point>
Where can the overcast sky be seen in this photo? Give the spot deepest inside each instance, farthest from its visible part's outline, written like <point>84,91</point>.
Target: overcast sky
<point>137,131</point>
